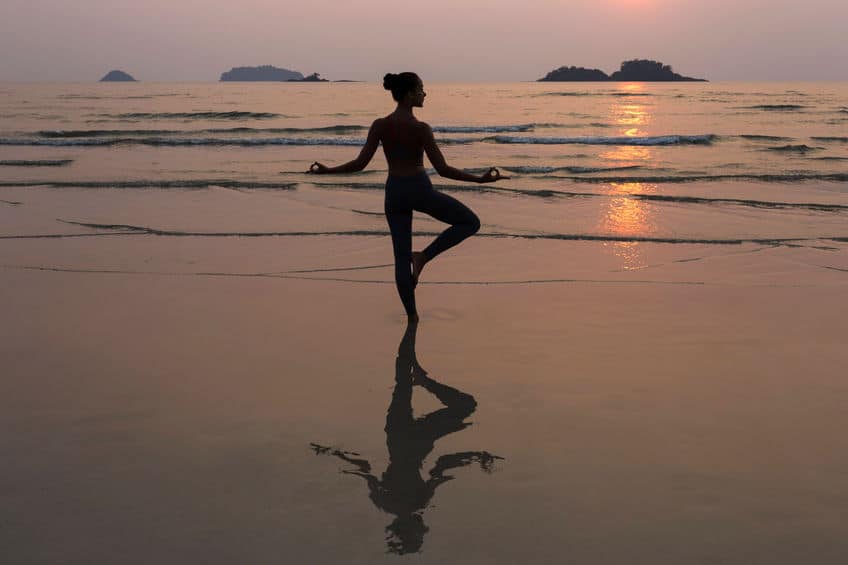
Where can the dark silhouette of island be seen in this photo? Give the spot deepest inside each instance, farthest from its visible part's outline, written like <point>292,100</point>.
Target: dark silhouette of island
<point>314,77</point>
<point>266,73</point>
<point>117,76</point>
<point>641,70</point>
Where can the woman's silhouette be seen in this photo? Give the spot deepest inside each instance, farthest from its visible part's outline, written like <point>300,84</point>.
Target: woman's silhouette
<point>401,490</point>
<point>408,188</point>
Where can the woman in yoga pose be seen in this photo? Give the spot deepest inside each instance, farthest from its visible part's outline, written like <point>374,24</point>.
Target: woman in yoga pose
<point>408,188</point>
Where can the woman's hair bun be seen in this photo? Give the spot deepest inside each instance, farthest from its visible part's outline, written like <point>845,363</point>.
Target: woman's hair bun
<point>400,84</point>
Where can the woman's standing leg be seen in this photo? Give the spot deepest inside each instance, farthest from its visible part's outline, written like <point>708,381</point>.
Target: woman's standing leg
<point>400,226</point>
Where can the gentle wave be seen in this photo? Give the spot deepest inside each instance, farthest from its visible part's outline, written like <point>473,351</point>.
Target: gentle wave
<point>542,169</point>
<point>793,148</point>
<point>780,177</point>
<point>596,93</point>
<point>37,163</point>
<point>156,183</point>
<point>62,134</point>
<point>831,138</point>
<point>193,115</point>
<point>188,142</point>
<point>483,129</point>
<point>755,137</point>
<point>143,230</point>
<point>705,139</point>
<point>775,107</point>
<point>547,194</point>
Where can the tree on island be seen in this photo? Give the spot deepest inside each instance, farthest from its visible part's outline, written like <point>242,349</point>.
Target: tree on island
<point>642,70</point>
<point>576,74</point>
<point>314,77</point>
<point>267,73</point>
<point>647,70</point>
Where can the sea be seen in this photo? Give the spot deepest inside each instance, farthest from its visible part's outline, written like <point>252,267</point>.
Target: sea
<point>638,359</point>
<point>624,163</point>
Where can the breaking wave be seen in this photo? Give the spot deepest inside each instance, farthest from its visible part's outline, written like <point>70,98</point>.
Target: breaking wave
<point>156,183</point>
<point>576,170</point>
<point>63,134</point>
<point>776,107</point>
<point>755,137</point>
<point>199,141</point>
<point>37,163</point>
<point>794,148</point>
<point>705,139</point>
<point>143,230</point>
<point>193,115</point>
<point>765,177</point>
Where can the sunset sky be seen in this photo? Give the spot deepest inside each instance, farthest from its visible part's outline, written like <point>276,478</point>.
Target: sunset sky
<point>444,40</point>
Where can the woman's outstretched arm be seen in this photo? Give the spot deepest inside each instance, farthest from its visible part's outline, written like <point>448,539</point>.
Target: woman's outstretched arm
<point>445,170</point>
<point>371,144</point>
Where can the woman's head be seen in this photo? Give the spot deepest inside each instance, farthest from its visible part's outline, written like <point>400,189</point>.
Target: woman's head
<point>405,87</point>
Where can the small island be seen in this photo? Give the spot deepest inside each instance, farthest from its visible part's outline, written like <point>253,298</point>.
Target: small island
<point>636,70</point>
<point>117,76</point>
<point>264,73</point>
<point>314,77</point>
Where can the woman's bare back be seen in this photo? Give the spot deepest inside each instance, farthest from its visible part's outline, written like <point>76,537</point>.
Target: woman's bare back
<point>403,144</point>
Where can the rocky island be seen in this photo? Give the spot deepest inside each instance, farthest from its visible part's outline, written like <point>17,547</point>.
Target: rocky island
<point>267,73</point>
<point>637,70</point>
<point>117,76</point>
<point>314,77</point>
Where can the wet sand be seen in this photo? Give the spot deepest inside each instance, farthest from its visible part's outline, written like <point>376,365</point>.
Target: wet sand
<point>164,411</point>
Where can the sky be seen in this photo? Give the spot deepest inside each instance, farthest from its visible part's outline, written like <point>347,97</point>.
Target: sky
<point>442,40</point>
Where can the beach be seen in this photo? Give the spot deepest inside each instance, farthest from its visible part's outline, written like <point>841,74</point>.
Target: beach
<point>201,343</point>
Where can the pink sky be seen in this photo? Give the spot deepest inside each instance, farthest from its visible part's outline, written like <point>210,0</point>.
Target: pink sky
<point>444,40</point>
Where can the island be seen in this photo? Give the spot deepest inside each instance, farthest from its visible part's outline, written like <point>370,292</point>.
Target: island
<point>314,77</point>
<point>636,70</point>
<point>267,73</point>
<point>117,76</point>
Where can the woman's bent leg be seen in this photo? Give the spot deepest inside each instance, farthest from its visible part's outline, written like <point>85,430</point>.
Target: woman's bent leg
<point>400,225</point>
<point>464,222</point>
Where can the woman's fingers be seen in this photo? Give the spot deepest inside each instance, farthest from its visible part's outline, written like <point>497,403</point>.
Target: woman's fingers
<point>493,174</point>
<point>316,168</point>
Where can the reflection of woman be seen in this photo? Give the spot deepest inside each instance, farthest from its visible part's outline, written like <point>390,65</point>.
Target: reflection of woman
<point>408,187</point>
<point>401,490</point>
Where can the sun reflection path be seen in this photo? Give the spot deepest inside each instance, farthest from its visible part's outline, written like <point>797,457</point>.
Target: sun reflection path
<point>623,215</point>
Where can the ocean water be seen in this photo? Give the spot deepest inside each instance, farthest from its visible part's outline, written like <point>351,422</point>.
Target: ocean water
<point>205,359</point>
<point>628,163</point>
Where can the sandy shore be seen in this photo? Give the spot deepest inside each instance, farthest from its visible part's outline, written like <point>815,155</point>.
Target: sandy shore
<point>162,409</point>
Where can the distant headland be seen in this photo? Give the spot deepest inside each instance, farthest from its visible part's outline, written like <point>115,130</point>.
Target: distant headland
<point>638,70</point>
<point>314,77</point>
<point>117,76</point>
<point>267,73</point>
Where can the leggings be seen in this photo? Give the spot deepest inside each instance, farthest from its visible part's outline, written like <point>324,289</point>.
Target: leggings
<point>405,194</point>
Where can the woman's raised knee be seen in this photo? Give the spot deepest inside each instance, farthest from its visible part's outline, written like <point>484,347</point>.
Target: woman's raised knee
<point>474,223</point>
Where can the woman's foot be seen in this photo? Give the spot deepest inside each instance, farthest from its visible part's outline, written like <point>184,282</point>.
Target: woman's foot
<point>418,262</point>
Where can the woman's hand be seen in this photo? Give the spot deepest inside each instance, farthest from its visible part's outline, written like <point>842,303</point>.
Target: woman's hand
<point>317,168</point>
<point>492,175</point>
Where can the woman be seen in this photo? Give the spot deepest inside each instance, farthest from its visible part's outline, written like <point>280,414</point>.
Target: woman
<point>408,187</point>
